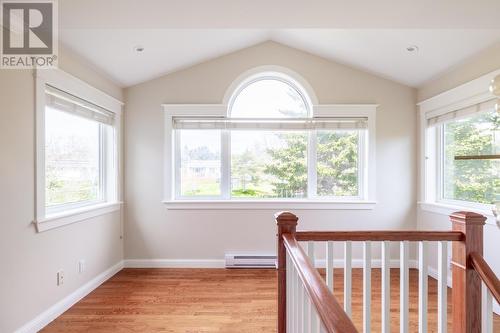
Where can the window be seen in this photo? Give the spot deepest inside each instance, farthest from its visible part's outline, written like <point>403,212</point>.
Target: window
<point>77,154</point>
<point>463,148</point>
<point>469,172</point>
<point>267,145</point>
<point>73,165</point>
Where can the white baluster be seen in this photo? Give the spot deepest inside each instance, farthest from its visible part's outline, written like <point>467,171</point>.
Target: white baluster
<point>313,323</point>
<point>486,310</point>
<point>403,292</point>
<point>367,288</point>
<point>288,292</point>
<point>347,277</point>
<point>442,287</point>
<point>307,314</point>
<point>310,252</point>
<point>386,287</point>
<point>301,309</point>
<point>422,287</point>
<point>329,265</point>
<point>295,301</point>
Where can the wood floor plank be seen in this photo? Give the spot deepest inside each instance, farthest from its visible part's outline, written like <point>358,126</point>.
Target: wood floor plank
<point>218,300</point>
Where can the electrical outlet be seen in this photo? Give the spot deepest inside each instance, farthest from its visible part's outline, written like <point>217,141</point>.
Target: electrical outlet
<point>60,277</point>
<point>81,266</point>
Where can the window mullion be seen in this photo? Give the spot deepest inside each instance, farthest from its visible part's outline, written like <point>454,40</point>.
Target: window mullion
<point>312,176</point>
<point>226,164</point>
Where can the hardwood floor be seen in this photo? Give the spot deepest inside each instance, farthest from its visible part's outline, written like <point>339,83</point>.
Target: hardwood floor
<point>216,300</point>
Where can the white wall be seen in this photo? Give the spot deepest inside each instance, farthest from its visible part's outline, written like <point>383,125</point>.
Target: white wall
<point>29,260</point>
<point>485,62</point>
<point>155,232</point>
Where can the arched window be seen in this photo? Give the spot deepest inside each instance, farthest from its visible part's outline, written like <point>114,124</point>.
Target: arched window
<point>269,96</point>
<point>267,144</point>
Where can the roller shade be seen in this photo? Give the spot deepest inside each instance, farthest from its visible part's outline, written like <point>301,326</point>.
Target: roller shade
<point>66,102</point>
<point>484,107</point>
<point>270,124</point>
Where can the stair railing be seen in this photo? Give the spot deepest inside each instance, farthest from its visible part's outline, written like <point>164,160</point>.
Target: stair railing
<point>306,302</point>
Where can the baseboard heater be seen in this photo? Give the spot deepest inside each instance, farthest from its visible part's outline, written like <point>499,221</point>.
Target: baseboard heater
<point>250,261</point>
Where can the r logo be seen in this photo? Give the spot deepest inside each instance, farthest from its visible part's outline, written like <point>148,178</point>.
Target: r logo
<point>27,28</point>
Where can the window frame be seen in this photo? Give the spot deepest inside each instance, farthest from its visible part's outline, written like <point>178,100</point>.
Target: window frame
<point>432,146</point>
<point>48,218</point>
<point>367,169</point>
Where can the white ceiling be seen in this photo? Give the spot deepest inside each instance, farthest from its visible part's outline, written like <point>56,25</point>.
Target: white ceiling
<point>382,52</point>
<point>278,14</point>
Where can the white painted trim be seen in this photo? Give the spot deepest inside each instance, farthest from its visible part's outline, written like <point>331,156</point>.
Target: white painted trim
<point>220,263</point>
<point>284,72</point>
<point>174,263</point>
<point>76,215</point>
<point>112,165</point>
<point>446,209</point>
<point>344,110</point>
<point>73,85</point>
<point>369,172</point>
<point>268,204</point>
<point>467,94</point>
<point>358,263</point>
<point>199,110</point>
<point>57,309</point>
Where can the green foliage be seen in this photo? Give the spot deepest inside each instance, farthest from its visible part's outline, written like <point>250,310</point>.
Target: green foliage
<point>247,193</point>
<point>289,166</point>
<point>472,180</point>
<point>337,165</point>
<point>246,167</point>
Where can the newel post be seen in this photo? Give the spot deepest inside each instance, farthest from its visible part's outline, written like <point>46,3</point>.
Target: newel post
<point>466,288</point>
<point>286,223</point>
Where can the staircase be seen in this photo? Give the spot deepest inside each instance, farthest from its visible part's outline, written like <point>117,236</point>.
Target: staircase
<point>306,302</point>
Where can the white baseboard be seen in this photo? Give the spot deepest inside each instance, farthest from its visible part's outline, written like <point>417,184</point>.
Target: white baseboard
<point>174,263</point>
<point>219,263</point>
<point>432,272</point>
<point>57,309</point>
<point>358,263</point>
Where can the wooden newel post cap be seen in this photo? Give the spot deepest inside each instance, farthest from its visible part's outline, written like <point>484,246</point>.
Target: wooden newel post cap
<point>286,219</point>
<point>468,218</point>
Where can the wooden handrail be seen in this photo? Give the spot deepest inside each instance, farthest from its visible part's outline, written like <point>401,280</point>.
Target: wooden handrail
<point>486,273</point>
<point>333,316</point>
<point>414,236</point>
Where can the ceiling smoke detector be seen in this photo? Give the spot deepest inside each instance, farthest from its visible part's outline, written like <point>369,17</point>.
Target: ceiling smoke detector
<point>412,49</point>
<point>139,49</point>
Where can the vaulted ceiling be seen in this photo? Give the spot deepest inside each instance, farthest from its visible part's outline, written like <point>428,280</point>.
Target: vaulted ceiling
<point>178,34</point>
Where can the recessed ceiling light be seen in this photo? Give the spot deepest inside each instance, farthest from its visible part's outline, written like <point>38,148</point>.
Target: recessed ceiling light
<point>139,49</point>
<point>412,48</point>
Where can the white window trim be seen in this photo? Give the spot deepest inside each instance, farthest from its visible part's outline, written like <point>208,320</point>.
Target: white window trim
<point>468,94</point>
<point>221,110</point>
<point>68,83</point>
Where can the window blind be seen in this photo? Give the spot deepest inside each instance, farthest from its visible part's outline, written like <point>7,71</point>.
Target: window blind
<point>66,102</point>
<point>270,124</point>
<point>483,107</point>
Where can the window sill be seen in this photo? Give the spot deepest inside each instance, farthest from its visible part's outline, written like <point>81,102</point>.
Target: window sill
<point>448,209</point>
<point>75,215</point>
<point>267,204</point>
